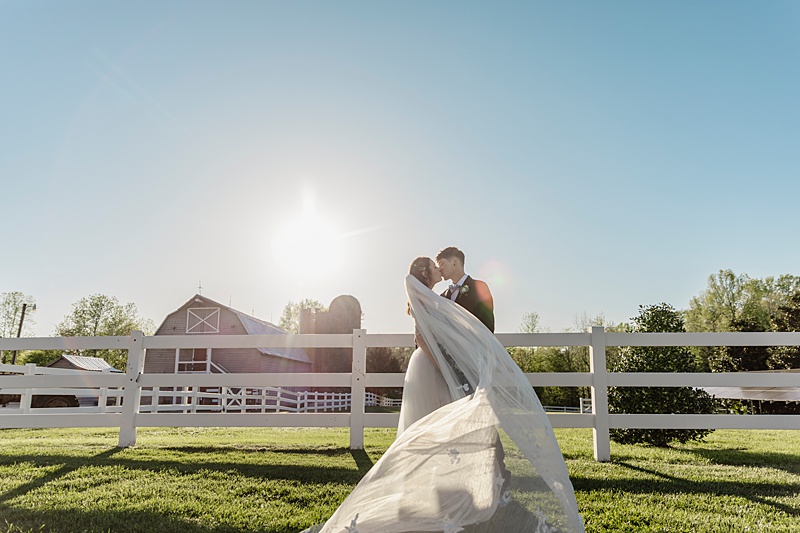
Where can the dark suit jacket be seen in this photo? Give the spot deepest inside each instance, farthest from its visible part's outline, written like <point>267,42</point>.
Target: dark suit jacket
<point>477,300</point>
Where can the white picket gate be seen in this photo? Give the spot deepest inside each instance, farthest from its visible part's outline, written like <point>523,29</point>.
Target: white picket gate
<point>132,386</point>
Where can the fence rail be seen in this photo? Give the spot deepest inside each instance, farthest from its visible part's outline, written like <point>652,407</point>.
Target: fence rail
<point>128,412</point>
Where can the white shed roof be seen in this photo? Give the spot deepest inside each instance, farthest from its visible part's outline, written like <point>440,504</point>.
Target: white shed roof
<point>82,362</point>
<point>774,394</point>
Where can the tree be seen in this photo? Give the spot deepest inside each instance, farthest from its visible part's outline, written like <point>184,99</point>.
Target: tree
<point>721,303</point>
<point>11,312</point>
<point>560,359</point>
<point>290,319</point>
<point>734,302</point>
<point>657,318</point>
<point>786,319</point>
<point>740,358</point>
<point>524,356</point>
<point>530,323</point>
<point>38,357</point>
<point>101,315</point>
<point>11,306</point>
<point>384,360</point>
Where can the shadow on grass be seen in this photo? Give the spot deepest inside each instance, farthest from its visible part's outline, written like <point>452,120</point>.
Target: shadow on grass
<point>69,465</point>
<point>362,460</point>
<point>258,469</point>
<point>328,452</point>
<point>69,521</point>
<point>788,462</point>
<point>667,484</point>
<point>733,457</point>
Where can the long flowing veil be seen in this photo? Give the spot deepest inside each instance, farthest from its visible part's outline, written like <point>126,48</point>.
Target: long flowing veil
<point>450,470</point>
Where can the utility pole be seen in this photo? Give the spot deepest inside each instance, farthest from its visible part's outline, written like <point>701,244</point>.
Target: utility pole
<point>19,332</point>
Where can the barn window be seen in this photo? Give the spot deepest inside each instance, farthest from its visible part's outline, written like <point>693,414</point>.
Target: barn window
<point>202,320</point>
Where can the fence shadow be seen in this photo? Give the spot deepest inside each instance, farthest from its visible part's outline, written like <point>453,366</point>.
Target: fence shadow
<point>363,460</point>
<point>732,457</point>
<point>251,466</point>
<point>757,492</point>
<point>69,464</point>
<point>69,521</point>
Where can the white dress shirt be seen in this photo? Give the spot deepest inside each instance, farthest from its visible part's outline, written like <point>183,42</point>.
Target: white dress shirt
<point>454,293</point>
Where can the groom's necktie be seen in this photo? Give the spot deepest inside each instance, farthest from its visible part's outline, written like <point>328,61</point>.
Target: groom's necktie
<point>454,288</point>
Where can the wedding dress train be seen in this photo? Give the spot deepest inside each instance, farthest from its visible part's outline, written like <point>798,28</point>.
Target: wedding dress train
<point>445,471</point>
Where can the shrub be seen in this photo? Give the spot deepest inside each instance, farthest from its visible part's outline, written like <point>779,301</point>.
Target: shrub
<point>662,400</point>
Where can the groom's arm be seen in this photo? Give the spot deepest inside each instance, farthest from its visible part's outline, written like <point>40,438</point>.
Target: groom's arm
<point>484,305</point>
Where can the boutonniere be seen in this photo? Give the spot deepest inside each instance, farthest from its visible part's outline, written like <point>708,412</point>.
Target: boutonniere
<point>463,290</point>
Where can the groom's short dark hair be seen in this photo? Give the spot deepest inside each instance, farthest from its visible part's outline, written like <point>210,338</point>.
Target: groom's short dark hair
<point>449,253</point>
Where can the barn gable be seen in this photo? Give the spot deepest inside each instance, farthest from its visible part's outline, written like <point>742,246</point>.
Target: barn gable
<point>203,316</point>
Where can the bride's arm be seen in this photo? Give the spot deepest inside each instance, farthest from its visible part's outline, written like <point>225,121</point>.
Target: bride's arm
<point>421,343</point>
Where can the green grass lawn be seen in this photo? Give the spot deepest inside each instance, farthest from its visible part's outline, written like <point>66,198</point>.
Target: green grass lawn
<point>283,480</point>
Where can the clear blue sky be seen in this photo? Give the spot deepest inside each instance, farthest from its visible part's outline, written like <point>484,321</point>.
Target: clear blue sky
<point>586,156</point>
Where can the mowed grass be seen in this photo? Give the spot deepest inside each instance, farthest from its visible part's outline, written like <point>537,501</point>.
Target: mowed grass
<point>286,479</point>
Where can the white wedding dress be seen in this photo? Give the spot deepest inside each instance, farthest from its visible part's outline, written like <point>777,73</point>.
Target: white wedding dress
<point>424,390</point>
<point>445,471</point>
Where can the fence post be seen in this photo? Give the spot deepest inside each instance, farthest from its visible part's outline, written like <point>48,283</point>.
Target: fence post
<point>597,364</point>
<point>357,379</point>
<point>131,394</point>
<point>26,398</point>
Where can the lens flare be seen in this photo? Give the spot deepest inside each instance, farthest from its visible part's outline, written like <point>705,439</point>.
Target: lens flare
<point>496,274</point>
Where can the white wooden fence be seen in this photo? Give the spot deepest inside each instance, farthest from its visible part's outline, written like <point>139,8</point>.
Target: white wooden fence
<point>132,384</point>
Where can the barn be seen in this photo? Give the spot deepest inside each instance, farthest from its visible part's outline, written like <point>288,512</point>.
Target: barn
<point>203,316</point>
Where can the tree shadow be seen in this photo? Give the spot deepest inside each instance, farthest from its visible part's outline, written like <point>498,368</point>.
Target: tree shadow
<point>69,521</point>
<point>303,473</point>
<point>329,452</point>
<point>69,465</point>
<point>737,457</point>
<point>667,484</point>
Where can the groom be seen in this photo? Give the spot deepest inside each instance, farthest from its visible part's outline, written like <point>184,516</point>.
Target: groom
<point>471,294</point>
<point>474,296</point>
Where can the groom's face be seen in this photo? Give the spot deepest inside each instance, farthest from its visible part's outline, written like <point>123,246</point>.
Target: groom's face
<point>447,266</point>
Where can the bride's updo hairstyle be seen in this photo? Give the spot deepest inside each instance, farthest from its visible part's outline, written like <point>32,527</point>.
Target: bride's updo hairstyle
<point>421,269</point>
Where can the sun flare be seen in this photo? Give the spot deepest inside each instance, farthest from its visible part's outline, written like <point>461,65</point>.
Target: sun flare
<point>308,246</point>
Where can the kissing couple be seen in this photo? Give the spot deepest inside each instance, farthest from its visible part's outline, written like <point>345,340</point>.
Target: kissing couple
<point>475,451</point>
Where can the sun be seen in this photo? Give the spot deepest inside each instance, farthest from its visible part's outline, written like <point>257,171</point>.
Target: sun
<point>307,246</point>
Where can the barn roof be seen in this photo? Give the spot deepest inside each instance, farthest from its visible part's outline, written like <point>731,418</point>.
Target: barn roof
<point>775,394</point>
<point>82,362</point>
<point>254,326</point>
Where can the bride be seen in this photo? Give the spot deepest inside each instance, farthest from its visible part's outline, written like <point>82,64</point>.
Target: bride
<point>424,387</point>
<point>445,472</point>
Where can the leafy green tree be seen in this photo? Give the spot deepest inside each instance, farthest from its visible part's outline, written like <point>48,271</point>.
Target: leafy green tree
<point>290,319</point>
<point>657,318</point>
<point>734,302</point>
<point>531,323</point>
<point>38,357</point>
<point>524,355</point>
<point>723,301</point>
<point>11,304</point>
<point>101,315</point>
<point>385,361</point>
<point>11,312</point>
<point>560,359</point>
<point>740,358</point>
<point>786,319</point>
